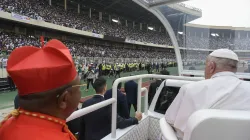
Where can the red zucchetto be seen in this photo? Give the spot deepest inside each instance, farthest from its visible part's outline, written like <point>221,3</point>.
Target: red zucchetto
<point>36,70</point>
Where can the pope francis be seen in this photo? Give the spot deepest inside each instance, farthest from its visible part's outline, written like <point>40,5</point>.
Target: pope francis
<point>221,90</point>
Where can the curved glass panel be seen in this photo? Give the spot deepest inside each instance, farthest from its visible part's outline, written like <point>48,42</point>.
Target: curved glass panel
<point>219,27</point>
<point>154,1</point>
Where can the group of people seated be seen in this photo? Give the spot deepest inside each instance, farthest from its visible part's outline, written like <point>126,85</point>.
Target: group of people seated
<point>56,14</point>
<point>10,41</point>
<point>199,42</point>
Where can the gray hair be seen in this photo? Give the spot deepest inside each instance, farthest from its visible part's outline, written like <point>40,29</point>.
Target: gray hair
<point>223,63</point>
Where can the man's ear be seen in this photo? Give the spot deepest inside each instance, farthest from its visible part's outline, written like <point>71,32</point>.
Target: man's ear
<point>106,87</point>
<point>212,67</point>
<point>63,100</point>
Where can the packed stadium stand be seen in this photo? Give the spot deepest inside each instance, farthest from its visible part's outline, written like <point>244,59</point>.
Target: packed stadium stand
<point>110,39</point>
<point>40,10</point>
<point>9,41</point>
<point>204,38</point>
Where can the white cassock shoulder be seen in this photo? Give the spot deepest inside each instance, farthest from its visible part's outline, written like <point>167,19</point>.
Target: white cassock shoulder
<point>173,109</point>
<point>182,107</point>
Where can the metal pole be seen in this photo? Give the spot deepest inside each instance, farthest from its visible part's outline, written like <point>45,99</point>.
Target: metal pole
<point>114,109</point>
<point>79,9</point>
<point>89,12</point>
<point>50,2</point>
<point>100,16</point>
<point>2,69</point>
<point>139,95</point>
<point>65,5</point>
<point>145,100</point>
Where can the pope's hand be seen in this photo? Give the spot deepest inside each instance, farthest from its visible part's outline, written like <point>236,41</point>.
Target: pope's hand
<point>138,116</point>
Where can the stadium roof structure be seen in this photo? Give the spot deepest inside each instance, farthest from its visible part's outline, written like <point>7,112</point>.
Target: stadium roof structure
<point>124,8</point>
<point>172,14</point>
<point>132,11</point>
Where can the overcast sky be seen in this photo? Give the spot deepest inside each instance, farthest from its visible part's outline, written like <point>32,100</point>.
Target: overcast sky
<point>234,13</point>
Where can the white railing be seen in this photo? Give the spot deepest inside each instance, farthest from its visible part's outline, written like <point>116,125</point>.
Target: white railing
<point>97,106</point>
<point>144,90</point>
<point>139,77</point>
<point>90,109</point>
<point>113,100</point>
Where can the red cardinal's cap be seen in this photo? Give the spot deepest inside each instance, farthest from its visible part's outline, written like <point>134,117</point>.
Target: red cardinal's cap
<point>35,70</point>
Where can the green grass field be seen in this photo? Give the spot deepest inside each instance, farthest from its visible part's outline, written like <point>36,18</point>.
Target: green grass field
<point>7,98</point>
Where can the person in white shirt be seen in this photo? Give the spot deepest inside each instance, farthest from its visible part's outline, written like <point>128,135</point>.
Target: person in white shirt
<point>221,90</point>
<point>4,62</point>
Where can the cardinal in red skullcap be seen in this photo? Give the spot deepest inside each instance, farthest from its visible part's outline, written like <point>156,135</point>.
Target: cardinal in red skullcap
<point>49,91</point>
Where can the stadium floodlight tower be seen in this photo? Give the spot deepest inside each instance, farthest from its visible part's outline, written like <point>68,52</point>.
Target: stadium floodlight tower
<point>173,14</point>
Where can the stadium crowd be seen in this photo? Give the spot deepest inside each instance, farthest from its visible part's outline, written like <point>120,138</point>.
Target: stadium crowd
<point>41,10</point>
<point>190,55</point>
<point>242,44</point>
<point>215,43</point>
<point>9,41</point>
<point>44,107</point>
<point>48,108</point>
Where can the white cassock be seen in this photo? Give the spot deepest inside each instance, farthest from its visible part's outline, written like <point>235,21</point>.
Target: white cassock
<point>223,91</point>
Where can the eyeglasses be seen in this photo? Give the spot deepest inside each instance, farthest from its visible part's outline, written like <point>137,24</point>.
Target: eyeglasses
<point>82,85</point>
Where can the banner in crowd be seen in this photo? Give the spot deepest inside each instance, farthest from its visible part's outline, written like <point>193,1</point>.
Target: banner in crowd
<point>20,17</point>
<point>96,35</point>
<point>130,41</point>
<point>134,42</point>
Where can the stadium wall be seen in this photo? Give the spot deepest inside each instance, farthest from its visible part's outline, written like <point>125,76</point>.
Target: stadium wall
<point>41,23</point>
<point>111,38</point>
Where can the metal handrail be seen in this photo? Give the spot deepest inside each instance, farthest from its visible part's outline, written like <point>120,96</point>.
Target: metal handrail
<point>90,109</point>
<point>113,100</point>
<point>145,101</point>
<point>139,77</point>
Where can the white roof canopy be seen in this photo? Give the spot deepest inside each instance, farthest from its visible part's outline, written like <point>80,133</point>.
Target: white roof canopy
<point>235,13</point>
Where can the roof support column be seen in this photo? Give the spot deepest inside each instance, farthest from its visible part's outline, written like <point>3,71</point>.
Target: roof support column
<point>78,9</point>
<point>89,12</point>
<point>65,5</point>
<point>126,23</point>
<point>100,16</point>
<point>170,31</point>
<point>50,2</point>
